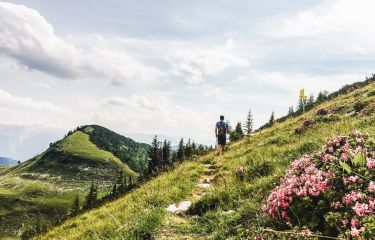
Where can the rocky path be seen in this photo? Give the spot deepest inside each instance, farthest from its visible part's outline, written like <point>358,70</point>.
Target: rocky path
<point>177,222</point>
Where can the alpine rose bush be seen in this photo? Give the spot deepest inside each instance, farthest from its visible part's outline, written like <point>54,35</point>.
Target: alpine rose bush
<point>331,192</point>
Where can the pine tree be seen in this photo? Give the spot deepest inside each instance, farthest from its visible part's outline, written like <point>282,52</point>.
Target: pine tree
<point>237,134</point>
<point>75,206</point>
<point>166,152</point>
<point>155,156</point>
<point>272,118</point>
<point>248,126</point>
<point>188,152</point>
<point>91,199</point>
<point>239,129</point>
<point>193,148</point>
<point>322,96</point>
<point>310,102</point>
<point>181,150</point>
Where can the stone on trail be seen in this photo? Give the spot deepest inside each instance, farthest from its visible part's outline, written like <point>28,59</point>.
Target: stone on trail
<point>182,207</point>
<point>204,185</point>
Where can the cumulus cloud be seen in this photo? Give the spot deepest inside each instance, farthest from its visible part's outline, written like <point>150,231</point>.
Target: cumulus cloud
<point>292,82</point>
<point>196,64</point>
<point>341,25</point>
<point>26,36</point>
<point>8,101</point>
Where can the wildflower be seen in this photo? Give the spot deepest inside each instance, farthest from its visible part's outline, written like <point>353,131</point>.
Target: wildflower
<point>371,187</point>
<point>361,209</point>
<point>354,223</point>
<point>344,157</point>
<point>330,149</point>
<point>336,205</point>
<point>356,232</point>
<point>371,163</point>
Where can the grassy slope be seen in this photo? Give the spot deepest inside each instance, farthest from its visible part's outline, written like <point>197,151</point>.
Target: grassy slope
<point>278,145</point>
<point>35,187</point>
<point>79,144</point>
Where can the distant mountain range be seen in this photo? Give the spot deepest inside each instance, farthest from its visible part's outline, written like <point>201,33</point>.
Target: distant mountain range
<point>5,161</point>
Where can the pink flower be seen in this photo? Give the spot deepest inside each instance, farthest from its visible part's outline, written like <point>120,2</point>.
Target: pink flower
<point>354,223</point>
<point>361,209</point>
<point>371,163</point>
<point>350,180</point>
<point>356,232</point>
<point>344,157</point>
<point>371,187</point>
<point>336,205</point>
<point>352,197</point>
<point>330,149</point>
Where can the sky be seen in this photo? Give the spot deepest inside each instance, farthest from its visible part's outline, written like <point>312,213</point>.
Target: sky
<point>171,67</point>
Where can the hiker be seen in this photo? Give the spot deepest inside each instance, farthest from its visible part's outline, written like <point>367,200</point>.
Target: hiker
<point>221,131</point>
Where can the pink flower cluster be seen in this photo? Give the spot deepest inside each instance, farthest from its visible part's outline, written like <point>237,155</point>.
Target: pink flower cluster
<point>352,195</point>
<point>303,179</point>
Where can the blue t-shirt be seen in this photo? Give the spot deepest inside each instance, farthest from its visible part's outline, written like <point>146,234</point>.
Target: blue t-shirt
<point>218,125</point>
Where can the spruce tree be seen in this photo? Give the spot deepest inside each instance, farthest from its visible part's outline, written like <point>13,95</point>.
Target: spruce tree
<point>76,206</point>
<point>193,148</point>
<point>91,199</point>
<point>181,150</point>
<point>272,118</point>
<point>188,152</point>
<point>248,126</point>
<point>166,152</point>
<point>154,155</point>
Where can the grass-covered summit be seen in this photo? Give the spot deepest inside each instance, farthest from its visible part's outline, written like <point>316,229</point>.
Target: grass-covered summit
<point>42,189</point>
<point>245,176</point>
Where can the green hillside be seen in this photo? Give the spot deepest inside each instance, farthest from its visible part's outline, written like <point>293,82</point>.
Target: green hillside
<point>230,207</point>
<point>42,189</point>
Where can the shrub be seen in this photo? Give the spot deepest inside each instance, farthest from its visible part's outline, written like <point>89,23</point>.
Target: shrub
<point>322,112</point>
<point>308,122</point>
<point>330,191</point>
<point>329,118</point>
<point>337,109</point>
<point>358,106</point>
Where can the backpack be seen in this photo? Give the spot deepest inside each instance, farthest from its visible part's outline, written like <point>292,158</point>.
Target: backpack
<point>222,130</point>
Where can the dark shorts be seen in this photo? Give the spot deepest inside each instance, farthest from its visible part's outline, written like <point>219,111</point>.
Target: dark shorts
<point>221,140</point>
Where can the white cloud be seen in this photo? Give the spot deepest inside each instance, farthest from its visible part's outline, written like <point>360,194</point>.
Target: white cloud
<point>190,61</point>
<point>10,102</point>
<point>292,82</point>
<point>26,36</point>
<point>196,64</point>
<point>342,25</point>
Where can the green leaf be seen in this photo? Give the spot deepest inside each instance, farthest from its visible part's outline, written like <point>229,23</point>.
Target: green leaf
<point>359,159</point>
<point>346,167</point>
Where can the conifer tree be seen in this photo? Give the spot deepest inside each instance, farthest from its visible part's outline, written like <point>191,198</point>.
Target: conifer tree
<point>181,150</point>
<point>188,152</point>
<point>91,199</point>
<point>155,156</point>
<point>76,206</point>
<point>272,118</point>
<point>248,126</point>
<point>193,148</point>
<point>166,152</point>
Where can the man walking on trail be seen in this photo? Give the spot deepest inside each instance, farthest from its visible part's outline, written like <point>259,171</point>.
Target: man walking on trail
<point>221,131</point>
